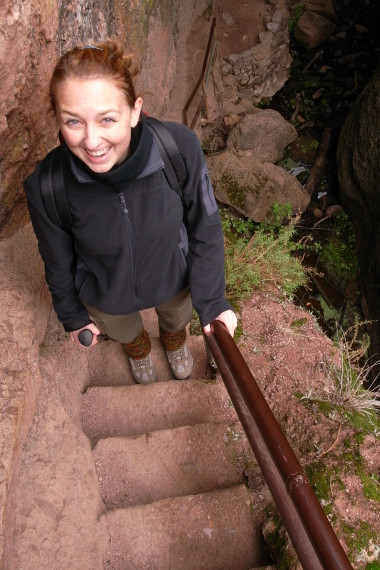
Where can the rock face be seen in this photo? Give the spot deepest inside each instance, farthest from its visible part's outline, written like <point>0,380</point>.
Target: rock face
<point>251,187</point>
<point>359,187</point>
<point>36,33</point>
<point>262,70</point>
<point>24,311</point>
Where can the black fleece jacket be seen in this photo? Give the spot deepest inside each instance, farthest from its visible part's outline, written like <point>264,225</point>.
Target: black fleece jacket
<point>132,245</point>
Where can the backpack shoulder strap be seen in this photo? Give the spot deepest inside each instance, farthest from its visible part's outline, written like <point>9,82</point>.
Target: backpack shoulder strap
<point>53,189</point>
<point>174,165</point>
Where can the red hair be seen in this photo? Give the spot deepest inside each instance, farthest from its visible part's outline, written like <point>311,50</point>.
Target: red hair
<point>103,60</point>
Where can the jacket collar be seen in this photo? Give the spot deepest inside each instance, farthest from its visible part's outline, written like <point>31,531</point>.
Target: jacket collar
<point>143,161</point>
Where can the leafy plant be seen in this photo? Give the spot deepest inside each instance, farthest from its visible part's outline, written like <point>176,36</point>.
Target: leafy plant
<point>339,253</point>
<point>279,214</point>
<point>297,11</point>
<point>261,255</point>
<point>264,258</point>
<point>235,227</point>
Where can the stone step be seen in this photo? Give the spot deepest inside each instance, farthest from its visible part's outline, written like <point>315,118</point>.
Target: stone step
<point>167,463</point>
<point>108,363</point>
<point>135,409</point>
<point>210,531</point>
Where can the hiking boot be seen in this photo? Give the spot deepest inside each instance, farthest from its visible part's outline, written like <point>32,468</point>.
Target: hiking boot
<point>143,370</point>
<point>181,362</point>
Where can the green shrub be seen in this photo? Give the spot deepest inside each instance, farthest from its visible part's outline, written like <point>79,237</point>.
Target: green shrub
<point>297,11</point>
<point>264,258</point>
<point>338,254</point>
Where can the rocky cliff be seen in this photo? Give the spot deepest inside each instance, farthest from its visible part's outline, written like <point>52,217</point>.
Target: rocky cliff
<point>359,183</point>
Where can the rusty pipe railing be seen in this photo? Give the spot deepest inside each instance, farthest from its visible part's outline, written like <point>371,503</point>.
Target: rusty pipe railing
<point>200,82</point>
<point>312,536</point>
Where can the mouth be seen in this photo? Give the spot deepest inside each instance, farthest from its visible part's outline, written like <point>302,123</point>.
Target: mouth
<point>94,154</point>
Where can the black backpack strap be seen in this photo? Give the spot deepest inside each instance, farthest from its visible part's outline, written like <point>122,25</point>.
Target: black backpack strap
<point>53,189</point>
<point>174,165</point>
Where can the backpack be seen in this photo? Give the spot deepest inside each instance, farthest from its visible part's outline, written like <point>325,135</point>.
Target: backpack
<point>52,182</point>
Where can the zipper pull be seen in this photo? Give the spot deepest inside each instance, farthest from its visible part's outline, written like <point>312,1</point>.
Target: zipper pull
<point>123,203</point>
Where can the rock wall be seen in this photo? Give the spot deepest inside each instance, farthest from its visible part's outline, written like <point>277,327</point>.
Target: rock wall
<point>25,306</point>
<point>359,187</point>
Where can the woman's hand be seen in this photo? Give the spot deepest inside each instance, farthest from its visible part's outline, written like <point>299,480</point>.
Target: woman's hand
<point>228,318</point>
<point>91,327</point>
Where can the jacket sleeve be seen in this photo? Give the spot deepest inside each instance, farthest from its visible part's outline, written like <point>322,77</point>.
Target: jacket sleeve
<point>205,259</point>
<point>57,250</point>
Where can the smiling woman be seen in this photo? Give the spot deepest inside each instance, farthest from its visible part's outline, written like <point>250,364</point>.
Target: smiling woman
<point>133,243</point>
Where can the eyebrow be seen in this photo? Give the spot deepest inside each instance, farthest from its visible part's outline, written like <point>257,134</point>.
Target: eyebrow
<point>68,112</point>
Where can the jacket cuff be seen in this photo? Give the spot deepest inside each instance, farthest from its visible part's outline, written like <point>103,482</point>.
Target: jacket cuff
<point>211,311</point>
<point>74,326</point>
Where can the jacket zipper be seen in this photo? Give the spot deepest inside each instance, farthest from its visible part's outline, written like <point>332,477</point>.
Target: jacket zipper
<point>133,246</point>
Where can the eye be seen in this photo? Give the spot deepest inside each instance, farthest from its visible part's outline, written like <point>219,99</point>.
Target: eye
<point>108,120</point>
<point>72,122</point>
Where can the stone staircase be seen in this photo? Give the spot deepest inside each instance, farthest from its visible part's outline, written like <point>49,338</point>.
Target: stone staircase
<point>170,466</point>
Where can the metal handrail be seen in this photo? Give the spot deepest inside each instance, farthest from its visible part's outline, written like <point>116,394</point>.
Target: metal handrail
<point>200,82</point>
<point>313,538</point>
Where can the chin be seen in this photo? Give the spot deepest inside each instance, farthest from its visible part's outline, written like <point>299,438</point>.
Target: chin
<point>100,167</point>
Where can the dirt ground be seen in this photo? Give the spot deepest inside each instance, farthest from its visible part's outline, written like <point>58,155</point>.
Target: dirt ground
<point>289,357</point>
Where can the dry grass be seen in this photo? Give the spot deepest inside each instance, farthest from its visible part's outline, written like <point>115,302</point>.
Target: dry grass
<point>353,373</point>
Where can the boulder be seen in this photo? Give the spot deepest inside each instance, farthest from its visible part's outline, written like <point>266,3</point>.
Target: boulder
<point>251,187</point>
<point>265,133</point>
<point>324,8</point>
<point>312,30</point>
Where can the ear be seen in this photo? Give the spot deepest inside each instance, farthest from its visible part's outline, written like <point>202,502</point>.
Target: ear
<point>136,110</point>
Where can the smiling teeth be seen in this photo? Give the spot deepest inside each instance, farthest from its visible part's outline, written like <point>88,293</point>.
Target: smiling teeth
<point>97,154</point>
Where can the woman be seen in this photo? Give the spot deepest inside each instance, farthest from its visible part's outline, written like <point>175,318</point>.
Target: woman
<point>132,245</point>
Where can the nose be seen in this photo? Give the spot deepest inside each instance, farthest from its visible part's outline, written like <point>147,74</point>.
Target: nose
<point>92,136</point>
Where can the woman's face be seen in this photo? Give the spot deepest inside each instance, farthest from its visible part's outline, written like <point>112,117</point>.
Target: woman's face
<point>95,120</point>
